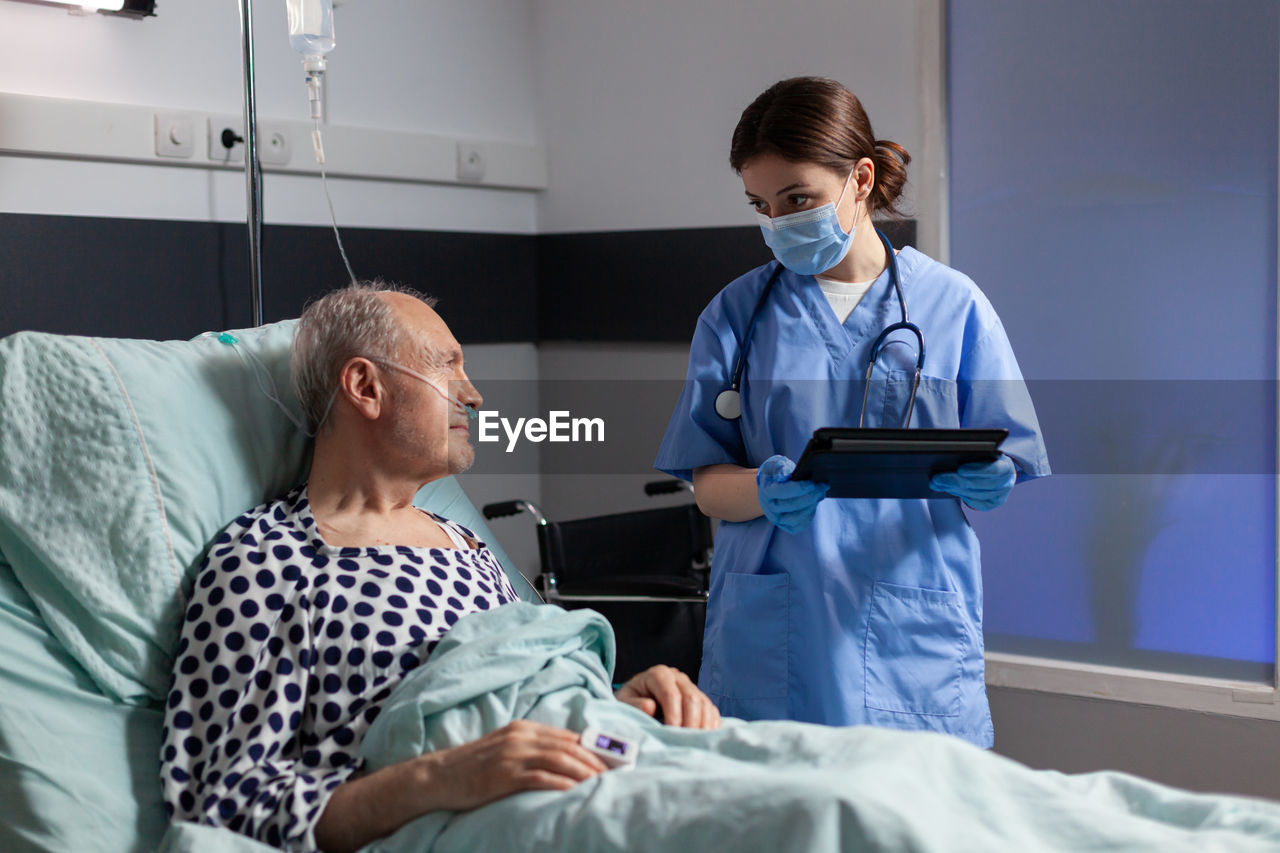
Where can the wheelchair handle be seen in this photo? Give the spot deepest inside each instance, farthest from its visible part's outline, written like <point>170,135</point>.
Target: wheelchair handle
<point>666,487</point>
<point>503,509</point>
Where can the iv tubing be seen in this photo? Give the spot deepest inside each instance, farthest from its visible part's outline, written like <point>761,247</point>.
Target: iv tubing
<point>324,180</point>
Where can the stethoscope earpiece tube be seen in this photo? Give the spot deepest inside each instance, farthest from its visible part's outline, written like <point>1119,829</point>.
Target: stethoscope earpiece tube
<point>728,402</point>
<point>877,348</point>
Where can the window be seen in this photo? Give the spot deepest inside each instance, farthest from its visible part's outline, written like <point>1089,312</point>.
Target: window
<point>1113,176</point>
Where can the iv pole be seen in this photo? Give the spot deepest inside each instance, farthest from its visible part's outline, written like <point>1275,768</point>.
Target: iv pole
<point>252,168</point>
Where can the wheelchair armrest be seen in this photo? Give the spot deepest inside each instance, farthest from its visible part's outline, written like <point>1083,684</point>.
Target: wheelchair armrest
<point>666,487</point>
<point>648,585</point>
<point>505,508</point>
<point>502,509</point>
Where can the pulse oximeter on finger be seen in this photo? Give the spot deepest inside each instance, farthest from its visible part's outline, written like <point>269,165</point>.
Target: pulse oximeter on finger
<point>618,753</point>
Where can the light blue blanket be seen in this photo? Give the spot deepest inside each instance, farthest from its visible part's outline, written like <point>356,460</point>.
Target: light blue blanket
<point>772,786</point>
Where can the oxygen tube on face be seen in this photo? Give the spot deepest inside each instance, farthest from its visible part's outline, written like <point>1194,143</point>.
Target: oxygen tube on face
<point>472,411</point>
<point>311,34</point>
<point>267,385</point>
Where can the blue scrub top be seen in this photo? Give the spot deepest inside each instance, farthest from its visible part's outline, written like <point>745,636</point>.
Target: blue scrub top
<point>873,615</point>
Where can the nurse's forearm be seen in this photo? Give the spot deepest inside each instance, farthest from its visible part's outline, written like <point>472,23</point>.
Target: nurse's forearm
<point>727,492</point>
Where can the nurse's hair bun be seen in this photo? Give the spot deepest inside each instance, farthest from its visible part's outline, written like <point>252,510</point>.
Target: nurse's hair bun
<point>817,120</point>
<point>891,161</point>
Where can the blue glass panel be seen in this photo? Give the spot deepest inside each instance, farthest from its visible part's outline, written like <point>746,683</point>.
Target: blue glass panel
<point>1113,174</point>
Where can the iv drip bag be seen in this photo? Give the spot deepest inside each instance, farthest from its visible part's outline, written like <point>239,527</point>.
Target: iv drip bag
<point>310,26</point>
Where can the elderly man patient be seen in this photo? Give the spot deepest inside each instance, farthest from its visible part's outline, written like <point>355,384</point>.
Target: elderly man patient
<point>309,610</point>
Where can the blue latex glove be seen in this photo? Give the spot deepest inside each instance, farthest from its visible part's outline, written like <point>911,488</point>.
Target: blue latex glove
<point>789,504</point>
<point>981,485</point>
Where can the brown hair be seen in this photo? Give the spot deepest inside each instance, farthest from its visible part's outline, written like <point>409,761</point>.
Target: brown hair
<point>816,120</point>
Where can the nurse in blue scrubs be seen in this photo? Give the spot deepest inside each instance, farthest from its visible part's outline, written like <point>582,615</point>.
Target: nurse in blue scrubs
<point>842,611</point>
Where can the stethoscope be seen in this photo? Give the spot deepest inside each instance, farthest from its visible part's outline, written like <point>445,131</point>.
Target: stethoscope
<point>729,401</point>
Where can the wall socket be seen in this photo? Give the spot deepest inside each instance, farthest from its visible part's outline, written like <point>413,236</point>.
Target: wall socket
<point>218,151</point>
<point>470,161</point>
<point>175,135</point>
<point>274,148</point>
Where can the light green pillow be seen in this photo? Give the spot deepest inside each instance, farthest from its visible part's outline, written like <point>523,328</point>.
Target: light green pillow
<point>120,460</point>
<point>78,772</point>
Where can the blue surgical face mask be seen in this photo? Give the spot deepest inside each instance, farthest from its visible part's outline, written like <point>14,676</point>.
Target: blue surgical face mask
<point>810,241</point>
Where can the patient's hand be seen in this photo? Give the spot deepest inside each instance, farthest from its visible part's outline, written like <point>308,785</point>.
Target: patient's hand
<point>520,756</point>
<point>669,689</point>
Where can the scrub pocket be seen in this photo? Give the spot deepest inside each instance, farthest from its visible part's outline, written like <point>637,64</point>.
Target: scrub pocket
<point>915,650</point>
<point>936,406</point>
<point>753,644</point>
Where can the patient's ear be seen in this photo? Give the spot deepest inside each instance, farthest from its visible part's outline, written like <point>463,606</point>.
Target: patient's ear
<point>360,384</point>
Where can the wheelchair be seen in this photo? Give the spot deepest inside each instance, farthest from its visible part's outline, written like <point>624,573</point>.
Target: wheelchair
<point>645,571</point>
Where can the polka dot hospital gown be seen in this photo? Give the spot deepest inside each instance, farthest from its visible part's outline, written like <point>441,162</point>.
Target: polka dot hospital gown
<point>288,650</point>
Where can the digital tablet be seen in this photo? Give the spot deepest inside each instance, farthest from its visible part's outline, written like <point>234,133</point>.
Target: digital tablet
<point>892,463</point>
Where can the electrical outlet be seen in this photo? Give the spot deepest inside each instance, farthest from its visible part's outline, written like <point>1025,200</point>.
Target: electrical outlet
<point>273,146</point>
<point>232,129</point>
<point>175,135</point>
<point>470,161</point>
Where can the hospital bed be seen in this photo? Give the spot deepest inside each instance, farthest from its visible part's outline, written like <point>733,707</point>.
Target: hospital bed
<point>646,571</point>
<point>119,462</point>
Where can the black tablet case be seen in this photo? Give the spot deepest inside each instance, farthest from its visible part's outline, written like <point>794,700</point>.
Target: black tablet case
<point>892,463</point>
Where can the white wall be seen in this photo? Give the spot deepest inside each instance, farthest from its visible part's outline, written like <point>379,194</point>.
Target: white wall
<point>450,67</point>
<point>637,141</point>
<point>637,101</point>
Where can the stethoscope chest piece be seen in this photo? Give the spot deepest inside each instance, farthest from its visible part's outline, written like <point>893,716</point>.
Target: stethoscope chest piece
<point>729,404</point>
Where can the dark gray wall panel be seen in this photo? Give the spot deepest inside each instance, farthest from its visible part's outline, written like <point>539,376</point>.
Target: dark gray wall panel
<point>170,279</point>
<point>485,282</point>
<point>119,277</point>
<point>646,285</point>
<point>165,279</point>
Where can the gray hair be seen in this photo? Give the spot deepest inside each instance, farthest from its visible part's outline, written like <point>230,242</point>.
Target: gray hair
<point>339,326</point>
